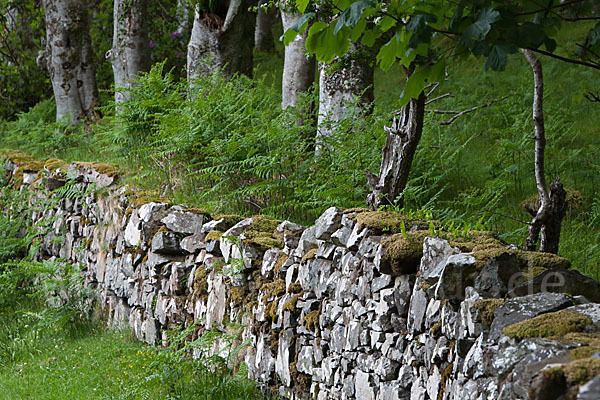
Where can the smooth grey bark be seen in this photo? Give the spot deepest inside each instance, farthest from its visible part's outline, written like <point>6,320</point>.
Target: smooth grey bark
<point>70,59</point>
<point>263,38</point>
<point>184,15</point>
<point>130,53</point>
<point>298,67</point>
<point>402,140</point>
<point>338,90</point>
<point>552,209</point>
<point>222,41</point>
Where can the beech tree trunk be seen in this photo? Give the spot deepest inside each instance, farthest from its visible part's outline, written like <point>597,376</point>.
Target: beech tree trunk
<point>338,89</point>
<point>549,216</point>
<point>222,40</point>
<point>263,38</point>
<point>70,59</point>
<point>184,15</point>
<point>130,53</point>
<point>403,137</point>
<point>298,68</point>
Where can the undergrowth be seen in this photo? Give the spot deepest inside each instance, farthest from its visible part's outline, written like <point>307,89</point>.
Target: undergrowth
<point>226,147</point>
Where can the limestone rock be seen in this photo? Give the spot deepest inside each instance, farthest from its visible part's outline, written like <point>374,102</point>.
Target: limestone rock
<point>522,308</point>
<point>185,222</point>
<point>328,223</point>
<point>166,243</point>
<point>560,281</point>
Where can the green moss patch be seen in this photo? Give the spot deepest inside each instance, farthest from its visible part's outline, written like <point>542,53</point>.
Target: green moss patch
<point>311,320</point>
<point>309,255</point>
<point>214,235</point>
<point>550,324</point>
<point>577,372</point>
<point>403,252</point>
<point>583,352</point>
<point>486,308</point>
<point>385,222</point>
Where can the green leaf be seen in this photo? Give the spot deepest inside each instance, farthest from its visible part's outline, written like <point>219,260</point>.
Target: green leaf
<point>481,27</point>
<point>301,5</point>
<point>298,27</point>
<point>388,53</point>
<point>497,59</point>
<point>531,35</point>
<point>369,38</point>
<point>358,30</point>
<point>550,44</point>
<point>418,26</point>
<point>353,14</point>
<point>414,86</point>
<point>324,43</point>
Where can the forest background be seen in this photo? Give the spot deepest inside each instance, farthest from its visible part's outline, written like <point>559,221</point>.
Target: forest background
<point>225,145</point>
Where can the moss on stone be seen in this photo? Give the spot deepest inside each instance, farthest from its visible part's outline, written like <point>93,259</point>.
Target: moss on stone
<point>312,253</point>
<point>200,284</point>
<point>261,223</point>
<point>590,339</point>
<point>148,196</point>
<point>550,324</point>
<point>295,287</point>
<point>576,372</point>
<point>311,320</point>
<point>52,164</point>
<point>436,329</point>
<point>274,289</point>
<point>110,170</point>
<point>486,308</point>
<point>386,222</point>
<point>445,377</point>
<point>213,235</point>
<point>403,251</point>
<point>583,352</point>
<point>291,305</point>
<point>264,241</point>
<point>237,295</point>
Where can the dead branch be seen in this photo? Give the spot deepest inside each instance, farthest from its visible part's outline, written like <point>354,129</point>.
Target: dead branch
<point>443,96</point>
<point>457,114</point>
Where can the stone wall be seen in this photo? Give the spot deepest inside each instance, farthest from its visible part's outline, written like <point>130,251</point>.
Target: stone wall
<point>361,305</point>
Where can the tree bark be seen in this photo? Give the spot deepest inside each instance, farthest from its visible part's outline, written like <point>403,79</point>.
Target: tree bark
<point>184,14</point>
<point>130,53</point>
<point>298,68</point>
<point>222,40</point>
<point>552,210</point>
<point>263,38</point>
<point>69,55</point>
<point>403,137</point>
<point>338,89</point>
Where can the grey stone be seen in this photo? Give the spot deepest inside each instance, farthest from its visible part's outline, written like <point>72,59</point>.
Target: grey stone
<point>522,308</point>
<point>166,243</point>
<point>435,252</point>
<point>381,282</point>
<point>558,280</point>
<point>590,390</point>
<point>149,211</point>
<point>282,362</point>
<point>498,275</point>
<point>185,222</point>
<point>305,360</point>
<point>356,238</point>
<point>193,243</point>
<point>458,273</point>
<point>362,386</point>
<point>328,223</point>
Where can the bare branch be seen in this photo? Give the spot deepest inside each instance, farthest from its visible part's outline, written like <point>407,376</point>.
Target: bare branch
<point>433,87</point>
<point>565,59</point>
<point>457,114</point>
<point>438,98</point>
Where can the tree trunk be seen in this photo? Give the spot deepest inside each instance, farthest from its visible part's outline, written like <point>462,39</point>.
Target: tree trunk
<point>222,40</point>
<point>263,38</point>
<point>551,212</point>
<point>401,144</point>
<point>338,89</point>
<point>298,68</point>
<point>184,14</point>
<point>130,53</point>
<point>69,55</point>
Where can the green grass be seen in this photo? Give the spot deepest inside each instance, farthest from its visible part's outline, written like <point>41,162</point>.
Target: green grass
<point>100,365</point>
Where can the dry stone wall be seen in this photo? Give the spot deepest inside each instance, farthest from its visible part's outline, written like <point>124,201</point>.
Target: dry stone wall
<point>343,309</point>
